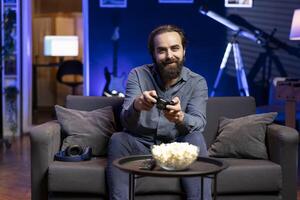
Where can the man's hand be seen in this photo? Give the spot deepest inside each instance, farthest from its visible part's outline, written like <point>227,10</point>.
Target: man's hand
<point>145,101</point>
<point>173,112</point>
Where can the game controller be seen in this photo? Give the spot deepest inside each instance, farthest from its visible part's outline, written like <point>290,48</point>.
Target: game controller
<point>161,103</point>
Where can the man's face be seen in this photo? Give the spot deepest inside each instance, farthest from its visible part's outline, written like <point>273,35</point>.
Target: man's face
<point>168,54</point>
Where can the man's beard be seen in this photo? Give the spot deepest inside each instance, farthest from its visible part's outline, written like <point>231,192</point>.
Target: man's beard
<point>170,72</point>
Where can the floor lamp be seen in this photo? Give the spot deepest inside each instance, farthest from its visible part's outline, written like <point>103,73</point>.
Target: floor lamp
<point>292,97</point>
<point>288,90</point>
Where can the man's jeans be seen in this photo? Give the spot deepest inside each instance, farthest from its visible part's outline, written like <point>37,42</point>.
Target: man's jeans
<point>123,144</point>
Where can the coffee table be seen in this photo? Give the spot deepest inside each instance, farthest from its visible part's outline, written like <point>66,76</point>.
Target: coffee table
<point>203,167</point>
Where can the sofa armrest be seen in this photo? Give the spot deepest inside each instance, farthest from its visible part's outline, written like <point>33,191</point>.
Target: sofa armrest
<point>45,142</point>
<point>282,143</point>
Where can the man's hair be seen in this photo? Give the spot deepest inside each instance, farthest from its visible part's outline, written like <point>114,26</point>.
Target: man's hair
<point>165,29</point>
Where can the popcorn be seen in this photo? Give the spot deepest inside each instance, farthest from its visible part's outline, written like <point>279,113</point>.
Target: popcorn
<point>175,156</point>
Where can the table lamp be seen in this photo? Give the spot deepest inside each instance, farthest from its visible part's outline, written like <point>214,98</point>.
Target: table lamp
<point>295,27</point>
<point>56,45</point>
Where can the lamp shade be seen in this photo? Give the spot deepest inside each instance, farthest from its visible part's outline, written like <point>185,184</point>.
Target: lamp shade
<point>55,45</point>
<point>295,27</point>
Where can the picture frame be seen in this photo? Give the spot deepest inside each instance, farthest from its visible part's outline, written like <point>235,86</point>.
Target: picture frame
<point>176,1</point>
<point>113,3</point>
<point>238,3</point>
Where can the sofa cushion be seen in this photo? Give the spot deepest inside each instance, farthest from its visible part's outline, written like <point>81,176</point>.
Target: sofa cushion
<point>89,177</point>
<point>85,177</point>
<point>87,128</point>
<point>243,137</point>
<point>231,107</point>
<point>248,175</point>
<point>89,103</point>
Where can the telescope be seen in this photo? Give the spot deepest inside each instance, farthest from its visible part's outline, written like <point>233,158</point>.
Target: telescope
<point>238,31</point>
<point>269,39</point>
<point>232,45</point>
<point>243,28</point>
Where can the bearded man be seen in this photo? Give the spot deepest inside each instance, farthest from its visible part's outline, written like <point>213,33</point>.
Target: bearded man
<point>146,125</point>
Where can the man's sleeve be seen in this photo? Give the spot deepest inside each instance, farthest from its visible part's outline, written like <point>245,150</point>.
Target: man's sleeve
<point>195,113</point>
<point>129,115</point>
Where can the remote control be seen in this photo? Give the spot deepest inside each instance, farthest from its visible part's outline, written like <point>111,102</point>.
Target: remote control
<point>147,164</point>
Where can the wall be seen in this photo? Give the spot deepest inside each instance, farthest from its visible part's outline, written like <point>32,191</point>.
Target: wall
<point>206,38</point>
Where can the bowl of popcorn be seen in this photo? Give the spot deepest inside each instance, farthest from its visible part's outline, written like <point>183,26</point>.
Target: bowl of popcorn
<point>175,156</point>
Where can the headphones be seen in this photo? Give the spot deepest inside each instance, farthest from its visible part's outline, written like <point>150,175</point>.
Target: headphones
<point>74,153</point>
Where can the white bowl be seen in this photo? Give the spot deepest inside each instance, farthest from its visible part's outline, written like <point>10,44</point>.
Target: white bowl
<point>175,156</point>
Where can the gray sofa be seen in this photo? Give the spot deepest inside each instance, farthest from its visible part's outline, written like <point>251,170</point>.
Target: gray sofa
<point>244,179</point>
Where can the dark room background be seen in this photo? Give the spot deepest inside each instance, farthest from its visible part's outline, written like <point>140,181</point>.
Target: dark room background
<point>207,39</point>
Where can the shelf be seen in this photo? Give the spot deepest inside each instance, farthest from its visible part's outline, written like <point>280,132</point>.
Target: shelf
<point>10,4</point>
<point>10,76</point>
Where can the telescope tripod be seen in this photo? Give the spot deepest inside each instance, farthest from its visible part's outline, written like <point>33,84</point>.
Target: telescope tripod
<point>239,67</point>
<point>264,62</point>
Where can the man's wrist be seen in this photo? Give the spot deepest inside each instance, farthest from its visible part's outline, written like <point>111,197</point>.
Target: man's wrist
<point>134,108</point>
<point>180,118</point>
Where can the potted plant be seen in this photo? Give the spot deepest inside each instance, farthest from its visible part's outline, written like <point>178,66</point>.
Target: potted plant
<point>8,48</point>
<point>11,93</point>
<point>8,64</point>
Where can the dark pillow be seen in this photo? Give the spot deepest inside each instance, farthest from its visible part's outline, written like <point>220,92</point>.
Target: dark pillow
<point>242,137</point>
<point>87,128</point>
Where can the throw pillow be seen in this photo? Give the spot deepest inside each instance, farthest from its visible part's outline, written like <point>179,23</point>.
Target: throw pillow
<point>242,137</point>
<point>87,128</point>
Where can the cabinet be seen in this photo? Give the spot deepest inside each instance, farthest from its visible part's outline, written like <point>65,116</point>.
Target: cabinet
<point>10,62</point>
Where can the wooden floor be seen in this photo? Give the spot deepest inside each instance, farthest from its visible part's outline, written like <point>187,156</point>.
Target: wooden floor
<point>15,171</point>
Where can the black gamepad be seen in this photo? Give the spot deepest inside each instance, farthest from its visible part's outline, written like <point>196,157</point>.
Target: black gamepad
<point>161,103</point>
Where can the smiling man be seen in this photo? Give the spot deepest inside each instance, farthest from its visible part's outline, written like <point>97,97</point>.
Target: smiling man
<point>146,124</point>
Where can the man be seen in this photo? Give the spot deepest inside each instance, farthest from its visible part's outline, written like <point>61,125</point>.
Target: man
<point>145,125</point>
